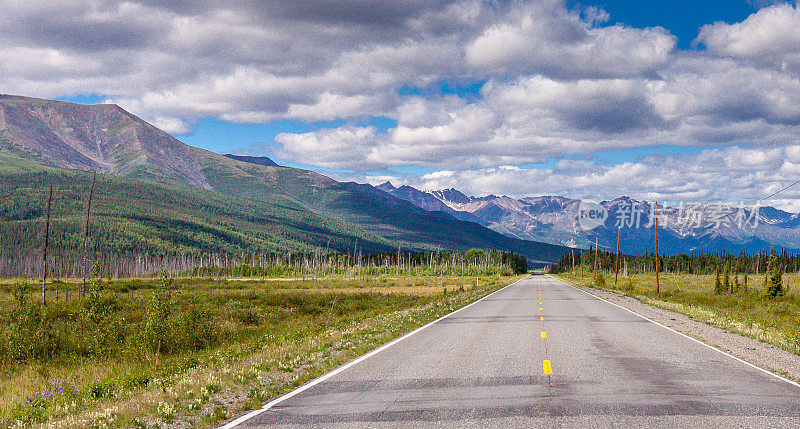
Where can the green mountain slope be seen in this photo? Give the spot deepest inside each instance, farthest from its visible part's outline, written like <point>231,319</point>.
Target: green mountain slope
<point>134,216</point>
<point>314,207</point>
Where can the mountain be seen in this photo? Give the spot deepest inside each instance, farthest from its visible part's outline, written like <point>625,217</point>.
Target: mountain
<point>46,142</point>
<point>450,196</point>
<point>101,137</point>
<point>425,201</point>
<point>555,219</point>
<point>258,160</point>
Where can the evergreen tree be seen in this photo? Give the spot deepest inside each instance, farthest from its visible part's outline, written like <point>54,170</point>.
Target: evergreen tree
<point>773,282</point>
<point>726,278</point>
<point>717,283</point>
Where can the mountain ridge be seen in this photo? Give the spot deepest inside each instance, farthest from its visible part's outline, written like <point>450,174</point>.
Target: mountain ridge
<point>554,219</point>
<point>107,139</point>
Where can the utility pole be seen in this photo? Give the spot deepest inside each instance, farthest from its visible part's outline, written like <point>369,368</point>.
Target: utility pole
<point>616,264</point>
<point>595,256</point>
<point>581,261</point>
<point>657,268</point>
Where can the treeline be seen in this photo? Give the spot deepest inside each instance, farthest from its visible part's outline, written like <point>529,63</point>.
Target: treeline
<point>62,264</point>
<point>702,263</point>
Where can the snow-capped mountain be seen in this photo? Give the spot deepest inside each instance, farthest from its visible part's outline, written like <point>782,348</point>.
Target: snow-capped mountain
<point>553,219</point>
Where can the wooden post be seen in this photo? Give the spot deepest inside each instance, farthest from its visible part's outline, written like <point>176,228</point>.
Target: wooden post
<point>581,261</point>
<point>658,285</point>
<point>86,234</point>
<point>595,257</point>
<point>616,264</point>
<point>46,245</point>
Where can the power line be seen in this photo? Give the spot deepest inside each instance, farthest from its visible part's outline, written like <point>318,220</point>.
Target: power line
<point>776,193</point>
<point>780,164</point>
<point>786,130</point>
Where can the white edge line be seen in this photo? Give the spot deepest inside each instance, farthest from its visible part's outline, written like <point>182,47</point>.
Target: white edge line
<point>765,371</point>
<point>344,367</point>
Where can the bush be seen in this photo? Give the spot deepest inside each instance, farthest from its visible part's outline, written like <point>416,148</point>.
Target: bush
<point>628,286</point>
<point>198,333</point>
<point>599,280</point>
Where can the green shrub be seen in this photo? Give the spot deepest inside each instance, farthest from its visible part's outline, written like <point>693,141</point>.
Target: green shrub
<point>599,280</point>
<point>198,332</point>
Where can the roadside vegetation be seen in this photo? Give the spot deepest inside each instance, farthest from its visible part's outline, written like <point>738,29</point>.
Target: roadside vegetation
<point>757,295</point>
<point>196,349</point>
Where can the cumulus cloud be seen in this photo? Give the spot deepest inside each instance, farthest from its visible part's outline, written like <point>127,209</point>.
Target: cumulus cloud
<point>558,82</point>
<point>340,148</point>
<point>769,36</point>
<point>547,39</point>
<point>731,174</point>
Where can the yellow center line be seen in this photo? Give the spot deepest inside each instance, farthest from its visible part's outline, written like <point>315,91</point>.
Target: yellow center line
<point>541,318</point>
<point>546,366</point>
<point>544,334</point>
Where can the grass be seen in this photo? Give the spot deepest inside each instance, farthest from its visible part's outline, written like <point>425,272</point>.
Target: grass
<point>144,352</point>
<point>774,321</point>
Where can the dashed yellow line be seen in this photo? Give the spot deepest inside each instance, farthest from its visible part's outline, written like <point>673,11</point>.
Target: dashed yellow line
<point>546,366</point>
<point>541,318</point>
<point>544,334</point>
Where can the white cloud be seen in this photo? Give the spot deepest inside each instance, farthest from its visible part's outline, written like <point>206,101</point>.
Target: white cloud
<point>558,82</point>
<point>731,174</point>
<point>770,36</point>
<point>544,38</point>
<point>339,148</point>
<point>171,125</point>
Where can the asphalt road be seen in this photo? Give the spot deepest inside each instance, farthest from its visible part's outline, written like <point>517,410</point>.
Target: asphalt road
<point>486,366</point>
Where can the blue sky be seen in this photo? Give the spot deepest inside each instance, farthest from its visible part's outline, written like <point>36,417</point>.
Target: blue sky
<point>682,18</point>
<point>520,98</point>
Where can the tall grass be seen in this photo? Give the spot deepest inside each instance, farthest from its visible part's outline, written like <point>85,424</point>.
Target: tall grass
<point>142,348</point>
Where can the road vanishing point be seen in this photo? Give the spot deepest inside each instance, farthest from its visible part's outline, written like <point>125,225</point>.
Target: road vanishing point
<point>539,353</point>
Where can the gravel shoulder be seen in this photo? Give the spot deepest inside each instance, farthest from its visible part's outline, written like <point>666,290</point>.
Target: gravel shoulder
<point>764,355</point>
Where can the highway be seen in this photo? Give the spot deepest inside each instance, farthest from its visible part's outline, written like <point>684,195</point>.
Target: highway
<point>540,353</point>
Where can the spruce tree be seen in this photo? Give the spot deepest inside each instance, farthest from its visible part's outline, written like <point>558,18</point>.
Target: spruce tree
<point>773,282</point>
<point>726,278</point>
<point>717,283</point>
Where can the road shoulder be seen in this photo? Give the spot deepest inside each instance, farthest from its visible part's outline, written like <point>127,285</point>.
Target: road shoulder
<point>763,355</point>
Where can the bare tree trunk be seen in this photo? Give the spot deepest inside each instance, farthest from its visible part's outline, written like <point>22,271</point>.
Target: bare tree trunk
<point>616,264</point>
<point>658,284</point>
<point>46,245</point>
<point>86,234</point>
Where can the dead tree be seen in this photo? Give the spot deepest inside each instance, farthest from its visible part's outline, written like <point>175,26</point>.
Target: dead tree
<point>46,245</point>
<point>86,233</point>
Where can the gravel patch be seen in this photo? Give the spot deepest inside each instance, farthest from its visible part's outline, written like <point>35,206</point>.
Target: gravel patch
<point>763,355</point>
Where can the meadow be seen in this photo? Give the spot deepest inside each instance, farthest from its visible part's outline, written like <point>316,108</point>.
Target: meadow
<point>194,351</point>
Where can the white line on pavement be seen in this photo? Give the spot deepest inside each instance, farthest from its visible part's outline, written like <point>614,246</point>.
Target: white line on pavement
<point>684,335</point>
